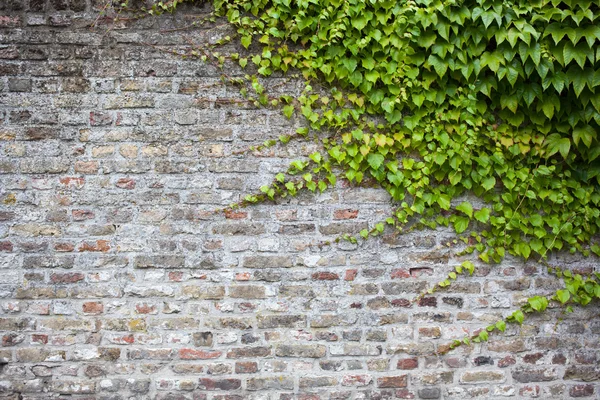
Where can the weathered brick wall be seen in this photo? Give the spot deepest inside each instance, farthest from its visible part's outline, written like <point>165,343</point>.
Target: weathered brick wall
<point>118,281</point>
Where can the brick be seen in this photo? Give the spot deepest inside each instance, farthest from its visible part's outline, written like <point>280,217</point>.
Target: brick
<point>203,339</point>
<point>69,277</point>
<point>581,390</point>
<point>316,382</point>
<point>325,276</point>
<point>482,376</point>
<point>246,367</point>
<point>219,384</point>
<point>399,381</point>
<point>249,352</point>
<point>86,167</point>
<point>345,214</point>
<point>162,261</point>
<point>93,307</point>
<point>298,350</point>
<point>270,383</point>
<point>281,321</point>
<point>408,363</point>
<point>247,292</point>
<point>193,354</point>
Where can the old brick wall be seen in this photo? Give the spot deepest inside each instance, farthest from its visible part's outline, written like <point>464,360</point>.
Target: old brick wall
<point>119,281</point>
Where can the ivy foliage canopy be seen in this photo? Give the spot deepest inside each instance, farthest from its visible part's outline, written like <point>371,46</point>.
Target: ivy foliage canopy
<point>433,100</point>
<point>496,98</point>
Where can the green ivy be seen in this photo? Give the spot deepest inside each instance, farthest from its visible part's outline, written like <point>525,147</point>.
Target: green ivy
<point>433,100</point>
<point>492,98</point>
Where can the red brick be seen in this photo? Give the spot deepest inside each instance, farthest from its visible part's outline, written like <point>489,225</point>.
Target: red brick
<point>392,381</point>
<point>67,277</point>
<point>86,167</point>
<point>144,308</point>
<point>345,214</point>
<point>350,274</point>
<point>408,363</point>
<point>64,247</point>
<point>38,338</point>
<point>81,215</point>
<point>93,307</point>
<point>245,367</point>
<point>325,276</point>
<point>242,276</point>
<point>400,274</point>
<point>72,181</point>
<point>100,245</point>
<point>230,214</point>
<point>192,354</point>
<point>175,276</point>
<point>125,183</point>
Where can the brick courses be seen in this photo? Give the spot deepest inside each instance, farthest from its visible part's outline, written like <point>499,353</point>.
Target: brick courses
<point>119,281</point>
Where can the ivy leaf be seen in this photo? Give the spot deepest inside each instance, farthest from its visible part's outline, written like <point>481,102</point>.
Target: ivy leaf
<point>288,110</point>
<point>556,143</point>
<point>563,295</point>
<point>491,60</point>
<point>466,208</point>
<point>585,134</point>
<point>438,65</point>
<point>375,160</point>
<point>482,215</point>
<point>518,316</point>
<point>246,41</point>
<point>443,201</point>
<point>488,182</point>
<point>501,325</point>
<point>461,224</point>
<point>360,21</point>
<point>483,335</point>
<point>538,303</point>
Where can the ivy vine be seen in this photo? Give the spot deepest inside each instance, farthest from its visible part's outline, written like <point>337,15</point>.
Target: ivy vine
<point>433,100</point>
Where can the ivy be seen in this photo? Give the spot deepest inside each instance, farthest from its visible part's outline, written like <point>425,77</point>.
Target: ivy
<point>433,100</point>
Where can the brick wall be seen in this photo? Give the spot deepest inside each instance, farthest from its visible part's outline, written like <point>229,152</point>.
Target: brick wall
<point>119,281</point>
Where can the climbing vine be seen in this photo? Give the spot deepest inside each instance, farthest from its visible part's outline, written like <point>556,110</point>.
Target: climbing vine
<point>437,100</point>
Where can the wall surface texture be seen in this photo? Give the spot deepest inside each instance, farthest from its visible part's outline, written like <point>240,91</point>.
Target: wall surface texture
<point>119,281</point>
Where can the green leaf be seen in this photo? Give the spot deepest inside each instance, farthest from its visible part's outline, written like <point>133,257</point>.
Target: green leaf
<point>438,65</point>
<point>288,110</point>
<point>488,182</point>
<point>563,295</point>
<point>501,325</point>
<point>443,201</point>
<point>584,134</point>
<point>360,21</point>
<point>466,208</point>
<point>538,303</point>
<point>461,224</point>
<point>491,60</point>
<point>482,215</point>
<point>518,316</point>
<point>375,160</point>
<point>246,41</point>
